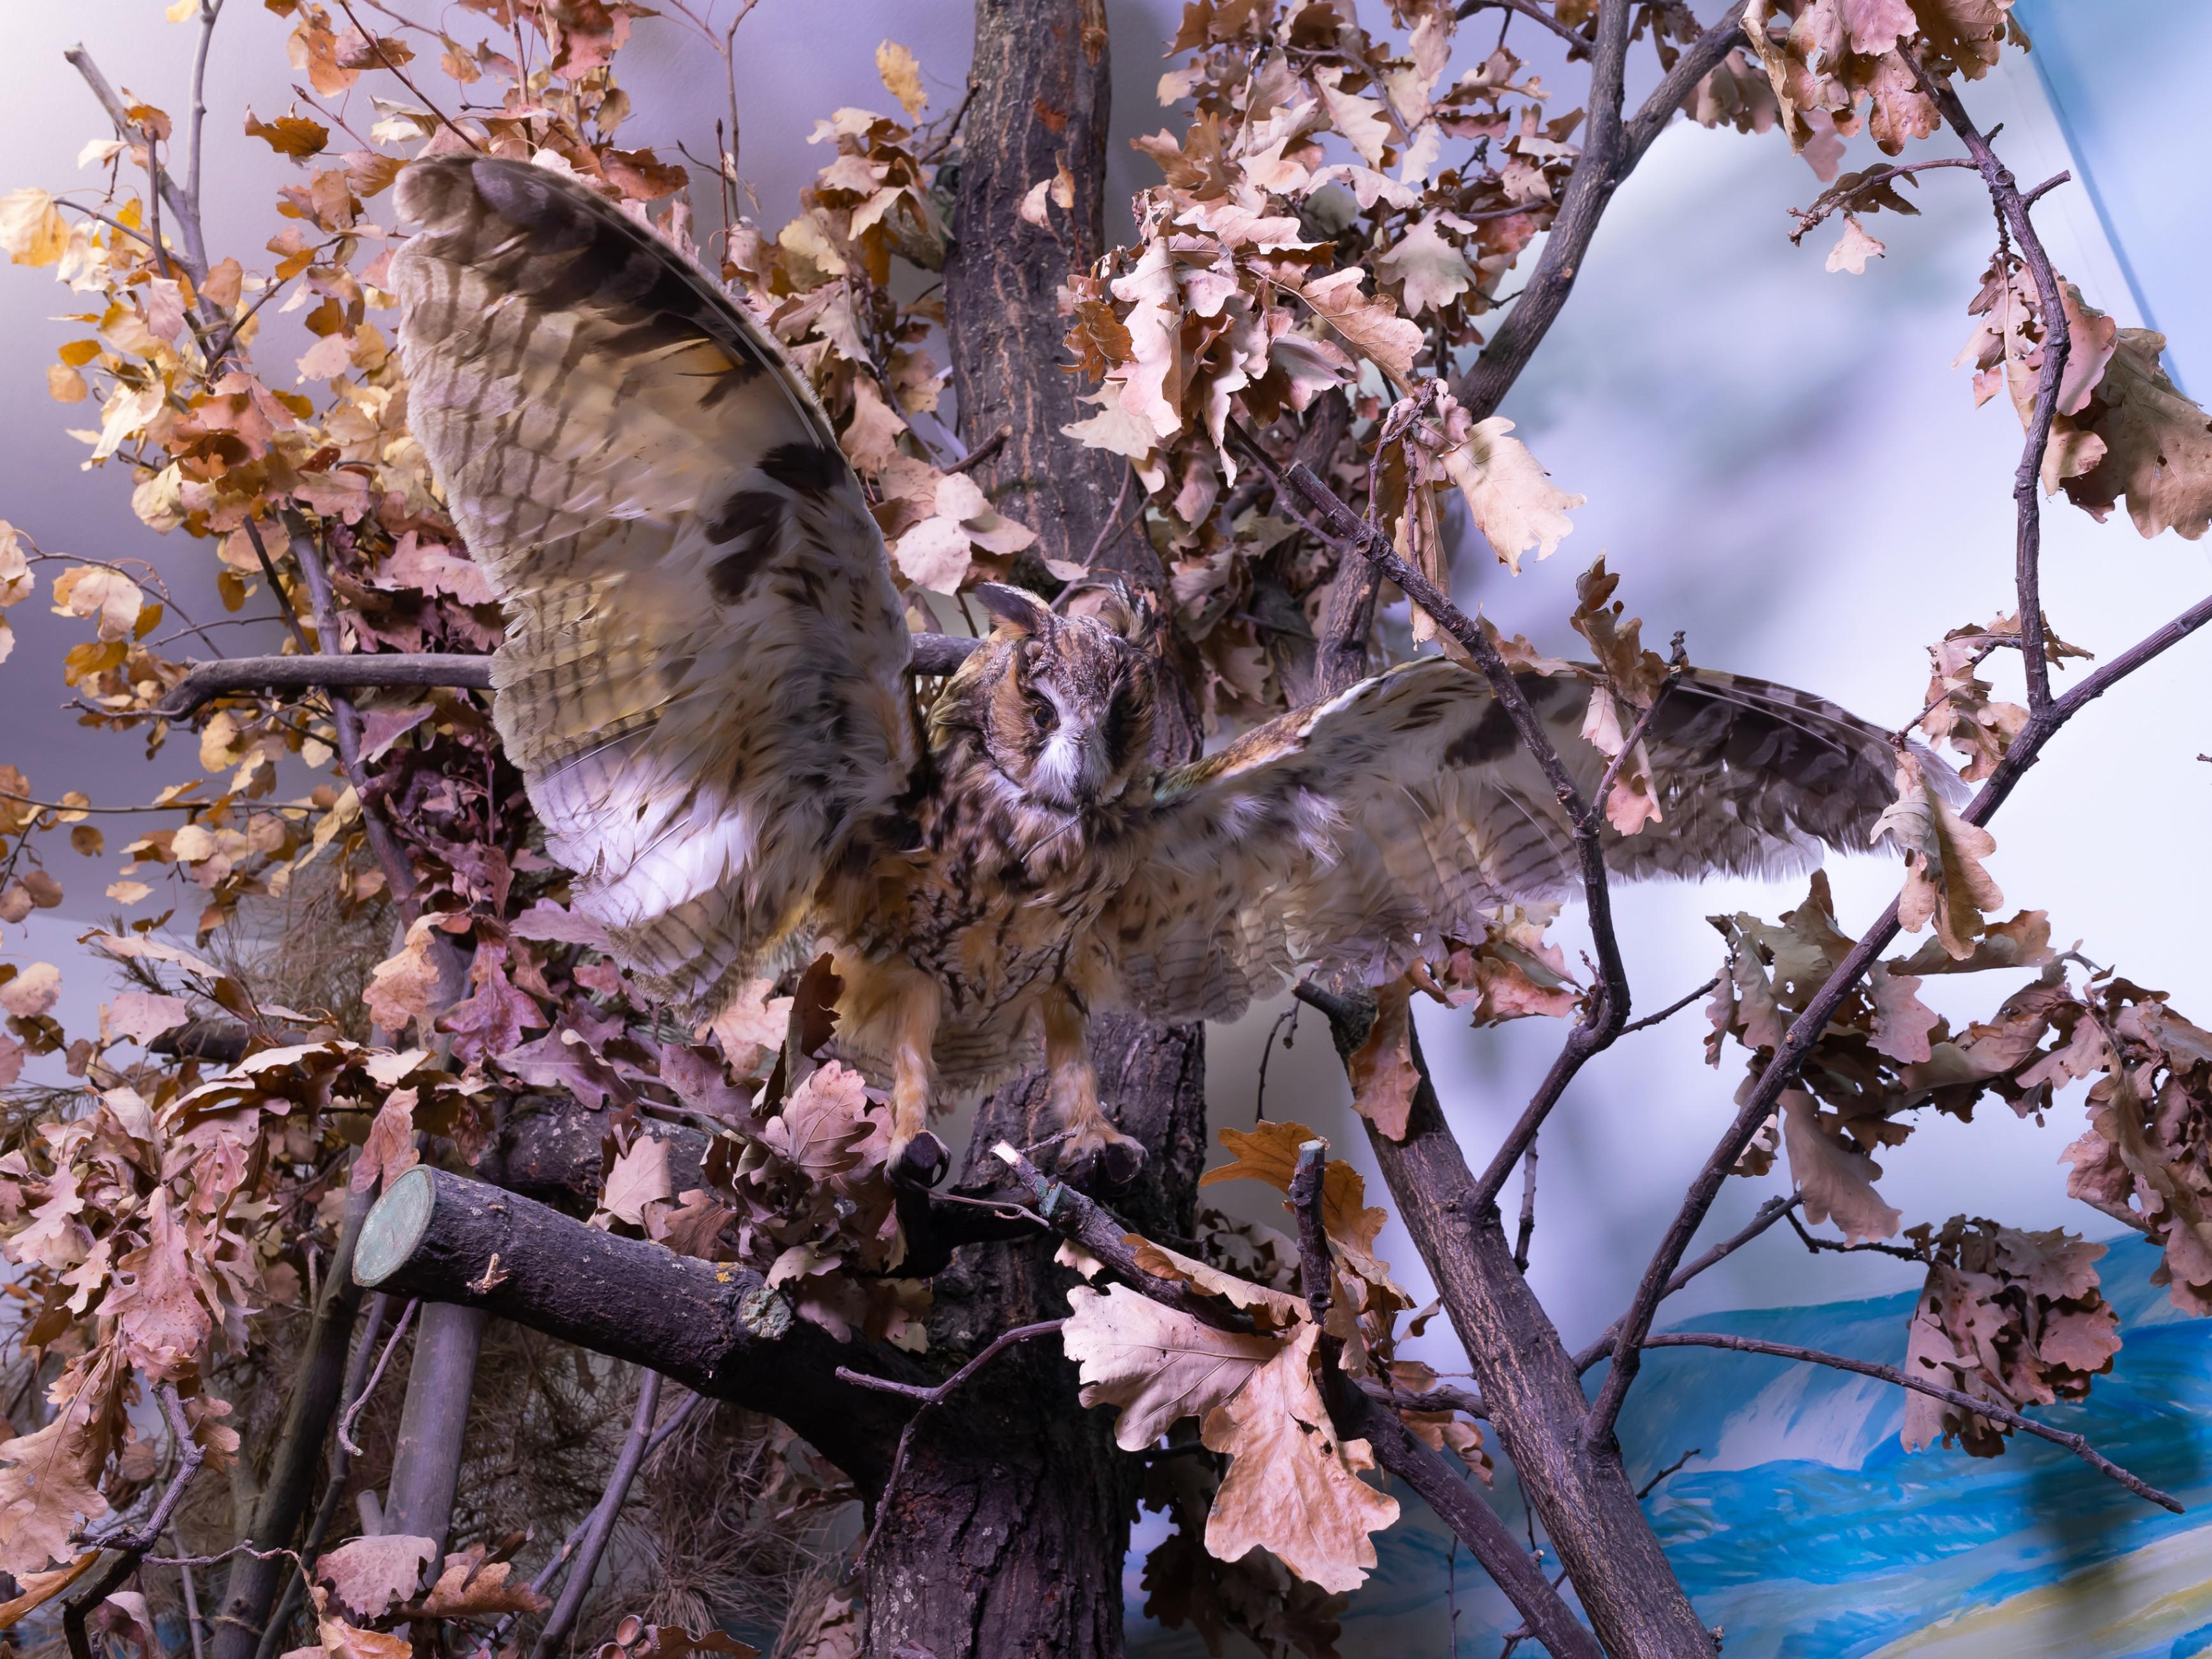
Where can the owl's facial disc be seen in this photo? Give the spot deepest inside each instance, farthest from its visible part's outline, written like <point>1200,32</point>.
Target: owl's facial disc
<point>1071,720</point>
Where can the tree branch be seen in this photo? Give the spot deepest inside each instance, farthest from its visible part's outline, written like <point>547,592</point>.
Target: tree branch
<point>2074,1443</point>
<point>181,208</point>
<point>1768,1214</point>
<point>718,1330</point>
<point>933,654</point>
<point>1358,1413</point>
<point>2057,345</point>
<point>1610,150</point>
<point>127,1547</point>
<point>2042,725</point>
<point>1534,13</point>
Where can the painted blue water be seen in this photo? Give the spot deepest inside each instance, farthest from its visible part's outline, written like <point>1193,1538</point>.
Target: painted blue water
<point>1804,1530</point>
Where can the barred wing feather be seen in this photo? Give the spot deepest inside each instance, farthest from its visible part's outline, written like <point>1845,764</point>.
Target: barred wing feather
<point>702,676</point>
<point>1352,834</point>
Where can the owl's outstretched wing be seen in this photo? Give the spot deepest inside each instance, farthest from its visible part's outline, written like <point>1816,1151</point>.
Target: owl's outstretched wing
<point>702,679</point>
<point>1352,834</point>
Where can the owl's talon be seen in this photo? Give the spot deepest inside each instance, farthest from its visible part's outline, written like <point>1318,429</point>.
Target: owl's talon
<point>1101,1158</point>
<point>920,1162</point>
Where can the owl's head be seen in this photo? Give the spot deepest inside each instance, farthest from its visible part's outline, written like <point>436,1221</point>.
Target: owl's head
<point>1062,704</point>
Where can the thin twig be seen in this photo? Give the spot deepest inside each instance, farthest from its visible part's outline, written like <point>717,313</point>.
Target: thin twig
<point>1536,14</point>
<point>1607,1009</point>
<point>601,1524</point>
<point>1767,1215</point>
<point>1830,203</point>
<point>677,1419</point>
<point>1672,1008</point>
<point>1674,1467</point>
<point>1528,1227</point>
<point>1288,1016</point>
<point>930,1400</point>
<point>2078,1444</point>
<point>345,1423</point>
<point>377,46</point>
<point>983,452</point>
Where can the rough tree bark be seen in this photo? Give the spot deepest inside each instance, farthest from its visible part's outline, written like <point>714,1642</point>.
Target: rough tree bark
<point>1006,1531</point>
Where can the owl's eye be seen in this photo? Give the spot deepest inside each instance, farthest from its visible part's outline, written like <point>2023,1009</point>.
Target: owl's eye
<point>1042,711</point>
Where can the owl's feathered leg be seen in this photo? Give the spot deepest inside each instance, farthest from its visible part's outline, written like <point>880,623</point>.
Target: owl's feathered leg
<point>894,1009</point>
<point>1094,1147</point>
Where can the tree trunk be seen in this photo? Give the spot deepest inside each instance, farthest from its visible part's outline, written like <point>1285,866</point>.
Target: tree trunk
<point>1004,1534</point>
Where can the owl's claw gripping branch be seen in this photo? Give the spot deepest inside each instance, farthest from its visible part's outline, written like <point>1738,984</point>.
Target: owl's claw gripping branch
<point>920,1162</point>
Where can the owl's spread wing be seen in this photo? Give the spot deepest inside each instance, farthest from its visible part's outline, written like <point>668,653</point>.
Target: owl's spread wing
<point>702,679</point>
<point>1352,834</point>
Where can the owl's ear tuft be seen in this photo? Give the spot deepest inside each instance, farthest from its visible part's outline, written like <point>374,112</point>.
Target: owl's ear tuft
<point>1109,599</point>
<point>1021,611</point>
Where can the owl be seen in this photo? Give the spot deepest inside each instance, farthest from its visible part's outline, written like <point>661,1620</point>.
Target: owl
<point>704,682</point>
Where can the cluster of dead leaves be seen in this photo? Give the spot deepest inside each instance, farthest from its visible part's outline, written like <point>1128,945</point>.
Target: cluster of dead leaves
<point>1291,1484</point>
<point>1838,67</point>
<point>1271,281</point>
<point>2008,1316</point>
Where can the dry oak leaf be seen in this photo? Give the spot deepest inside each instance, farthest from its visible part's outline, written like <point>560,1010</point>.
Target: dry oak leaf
<point>1293,1488</point>
<point>819,1131</point>
<point>1371,324</point>
<point>2139,440</point>
<point>1432,271</point>
<point>1268,1152</point>
<point>405,987</point>
<point>370,1574</point>
<point>389,1151</point>
<point>1511,499</point>
<point>467,1588</point>
<point>640,1177</point>
<point>1157,1365</point>
<point>1944,880</point>
<point>1381,1070</point>
<point>1838,1183</point>
<point>52,1479</point>
<point>1281,1307</point>
<point>902,78</point>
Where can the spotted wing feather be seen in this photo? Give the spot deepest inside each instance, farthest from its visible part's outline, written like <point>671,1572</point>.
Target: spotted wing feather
<point>702,676</point>
<point>1348,834</point>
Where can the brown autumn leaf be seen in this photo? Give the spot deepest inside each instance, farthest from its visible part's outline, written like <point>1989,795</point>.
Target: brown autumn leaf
<point>2006,1316</point>
<point>405,987</point>
<point>821,1127</point>
<point>370,1574</point>
<point>1292,1487</point>
<point>1509,495</point>
<point>1383,1072</point>
<point>1837,1181</point>
<point>1278,1308</point>
<point>902,78</point>
<point>155,1298</point>
<point>468,1588</point>
<point>2139,440</point>
<point>389,1151</point>
<point>1156,1364</point>
<point>1368,323</point>
<point>639,1177</point>
<point>1944,880</point>
<point>1268,1152</point>
<point>295,135</point>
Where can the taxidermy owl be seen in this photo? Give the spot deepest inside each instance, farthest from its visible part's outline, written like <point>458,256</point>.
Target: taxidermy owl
<point>704,682</point>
